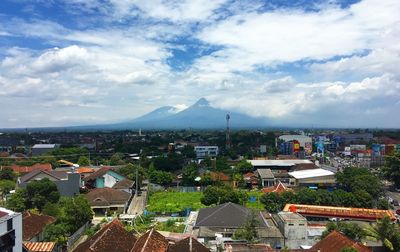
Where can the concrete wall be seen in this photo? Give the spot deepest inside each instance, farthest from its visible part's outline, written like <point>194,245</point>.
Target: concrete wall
<point>71,186</point>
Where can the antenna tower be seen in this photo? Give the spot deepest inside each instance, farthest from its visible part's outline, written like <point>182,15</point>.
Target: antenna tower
<point>228,137</point>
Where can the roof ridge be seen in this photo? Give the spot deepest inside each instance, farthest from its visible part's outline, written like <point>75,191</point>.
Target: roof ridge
<point>221,207</point>
<point>147,240</point>
<point>100,236</point>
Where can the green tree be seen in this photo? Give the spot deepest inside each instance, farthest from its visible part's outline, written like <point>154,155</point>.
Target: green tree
<point>188,151</point>
<point>76,212</point>
<point>244,166</point>
<point>7,174</point>
<point>189,173</point>
<point>222,164</point>
<point>272,202</point>
<point>249,231</point>
<point>392,168</point>
<point>116,159</point>
<point>383,231</point>
<point>383,204</point>
<point>56,233</point>
<point>18,200</point>
<point>222,194</point>
<point>6,186</point>
<point>351,230</point>
<point>39,192</point>
<point>83,161</point>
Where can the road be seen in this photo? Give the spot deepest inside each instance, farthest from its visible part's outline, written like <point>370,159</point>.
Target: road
<point>138,204</point>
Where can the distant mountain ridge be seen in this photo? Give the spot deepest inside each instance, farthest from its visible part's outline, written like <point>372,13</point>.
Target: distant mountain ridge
<point>200,115</point>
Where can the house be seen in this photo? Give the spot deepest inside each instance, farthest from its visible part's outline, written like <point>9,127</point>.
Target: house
<point>40,149</point>
<point>67,183</point>
<point>111,237</point>
<point>10,230</point>
<point>106,200</point>
<point>266,177</point>
<point>39,246</point>
<point>84,171</point>
<point>336,242</point>
<point>220,177</point>
<point>314,178</point>
<point>151,241</point>
<point>251,180</point>
<point>104,177</point>
<point>33,226</point>
<point>226,218</point>
<point>125,185</point>
<point>188,244</point>
<point>27,169</point>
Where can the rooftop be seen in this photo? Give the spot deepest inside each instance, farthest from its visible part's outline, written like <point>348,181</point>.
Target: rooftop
<point>111,237</point>
<point>33,224</point>
<point>151,241</point>
<point>44,146</point>
<point>284,162</point>
<point>265,173</point>
<point>339,212</point>
<point>39,246</point>
<point>312,173</point>
<point>336,241</point>
<point>226,215</point>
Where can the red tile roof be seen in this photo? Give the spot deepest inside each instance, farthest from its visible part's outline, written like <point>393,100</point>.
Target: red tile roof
<point>278,188</point>
<point>336,241</point>
<point>339,212</point>
<point>189,244</point>
<point>39,246</point>
<point>215,176</point>
<point>152,241</point>
<point>84,170</point>
<point>33,224</point>
<point>111,237</point>
<point>97,173</point>
<point>27,169</point>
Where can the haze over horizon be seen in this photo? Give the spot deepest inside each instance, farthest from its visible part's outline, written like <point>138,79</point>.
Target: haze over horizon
<point>82,62</point>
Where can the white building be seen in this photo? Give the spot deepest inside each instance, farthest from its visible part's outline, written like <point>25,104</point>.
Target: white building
<point>293,226</point>
<point>314,177</point>
<point>206,151</point>
<point>10,231</point>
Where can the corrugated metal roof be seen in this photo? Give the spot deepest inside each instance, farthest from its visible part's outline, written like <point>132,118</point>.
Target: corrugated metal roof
<point>285,162</point>
<point>40,246</point>
<point>339,212</point>
<point>312,173</point>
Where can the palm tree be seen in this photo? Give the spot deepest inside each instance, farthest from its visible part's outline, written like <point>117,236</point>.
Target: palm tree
<point>383,231</point>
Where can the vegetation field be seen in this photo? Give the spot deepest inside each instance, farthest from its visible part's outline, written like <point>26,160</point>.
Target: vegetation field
<point>173,202</point>
<point>256,204</point>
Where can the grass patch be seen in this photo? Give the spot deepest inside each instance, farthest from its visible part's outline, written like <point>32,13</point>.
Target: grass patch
<point>257,204</point>
<point>173,202</point>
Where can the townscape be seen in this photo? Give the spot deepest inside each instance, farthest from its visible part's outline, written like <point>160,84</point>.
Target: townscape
<point>199,126</point>
<point>188,190</point>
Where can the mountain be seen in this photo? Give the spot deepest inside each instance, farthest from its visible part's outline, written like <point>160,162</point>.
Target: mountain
<point>200,115</point>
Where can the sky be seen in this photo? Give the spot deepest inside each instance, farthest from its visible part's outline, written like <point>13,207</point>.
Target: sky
<point>312,63</point>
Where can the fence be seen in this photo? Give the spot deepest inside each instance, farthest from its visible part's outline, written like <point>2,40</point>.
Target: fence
<point>75,236</point>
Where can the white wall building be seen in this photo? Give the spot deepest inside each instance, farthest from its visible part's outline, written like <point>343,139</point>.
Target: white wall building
<point>10,231</point>
<point>206,151</point>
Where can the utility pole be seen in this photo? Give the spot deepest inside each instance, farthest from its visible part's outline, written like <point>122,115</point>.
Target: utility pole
<point>228,137</point>
<point>137,185</point>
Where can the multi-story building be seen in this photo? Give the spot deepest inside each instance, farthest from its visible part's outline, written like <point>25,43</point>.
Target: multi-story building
<point>206,151</point>
<point>10,231</point>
